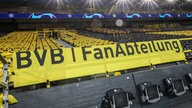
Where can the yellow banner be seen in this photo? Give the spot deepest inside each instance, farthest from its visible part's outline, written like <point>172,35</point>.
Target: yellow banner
<point>42,65</point>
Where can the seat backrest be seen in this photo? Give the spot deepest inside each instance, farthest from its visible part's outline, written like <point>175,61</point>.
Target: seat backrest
<point>152,92</point>
<point>121,100</point>
<point>112,92</point>
<point>178,85</point>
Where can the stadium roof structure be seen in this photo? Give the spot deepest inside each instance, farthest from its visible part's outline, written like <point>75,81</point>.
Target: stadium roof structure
<point>99,6</point>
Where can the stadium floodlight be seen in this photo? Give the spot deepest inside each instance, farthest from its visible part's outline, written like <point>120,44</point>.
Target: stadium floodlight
<point>123,4</point>
<point>148,0</point>
<point>149,4</point>
<point>170,0</point>
<point>58,3</point>
<point>93,3</point>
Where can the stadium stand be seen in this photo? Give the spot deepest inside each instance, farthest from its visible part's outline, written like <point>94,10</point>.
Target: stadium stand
<point>80,40</point>
<point>26,41</point>
<point>44,39</point>
<point>76,53</point>
<point>23,41</point>
<point>31,40</point>
<point>176,33</point>
<point>127,36</point>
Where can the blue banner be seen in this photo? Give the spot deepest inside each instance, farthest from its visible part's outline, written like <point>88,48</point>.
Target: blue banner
<point>48,15</point>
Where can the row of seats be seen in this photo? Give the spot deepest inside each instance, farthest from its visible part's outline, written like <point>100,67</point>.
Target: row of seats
<point>131,37</point>
<point>187,47</point>
<point>152,27</point>
<point>137,27</point>
<point>177,33</point>
<point>78,40</point>
<point>163,25</point>
<point>23,41</point>
<point>143,30</point>
<point>107,31</point>
<point>149,93</point>
<point>135,37</point>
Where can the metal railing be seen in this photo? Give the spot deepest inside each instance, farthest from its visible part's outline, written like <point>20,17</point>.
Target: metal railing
<point>5,81</point>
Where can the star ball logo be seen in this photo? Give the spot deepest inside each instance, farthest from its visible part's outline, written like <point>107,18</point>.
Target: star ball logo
<point>96,15</point>
<point>44,15</point>
<point>133,16</point>
<point>189,15</point>
<point>165,16</point>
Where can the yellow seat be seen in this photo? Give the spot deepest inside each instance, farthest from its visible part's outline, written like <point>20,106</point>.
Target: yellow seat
<point>11,98</point>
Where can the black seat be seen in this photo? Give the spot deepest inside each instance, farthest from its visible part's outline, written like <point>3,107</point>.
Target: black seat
<point>112,92</point>
<point>189,77</point>
<point>117,98</point>
<point>179,85</point>
<point>150,93</point>
<point>175,86</point>
<point>121,100</point>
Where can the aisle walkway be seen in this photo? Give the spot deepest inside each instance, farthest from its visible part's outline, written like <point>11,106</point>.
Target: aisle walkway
<point>66,45</point>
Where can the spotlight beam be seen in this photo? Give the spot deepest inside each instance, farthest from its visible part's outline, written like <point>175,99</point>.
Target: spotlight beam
<point>150,4</point>
<point>93,3</point>
<point>124,4</point>
<point>58,3</point>
<point>171,2</point>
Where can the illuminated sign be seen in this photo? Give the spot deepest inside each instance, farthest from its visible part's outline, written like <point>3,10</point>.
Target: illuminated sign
<point>165,16</point>
<point>38,16</point>
<point>48,15</point>
<point>96,15</point>
<point>189,15</point>
<point>133,16</point>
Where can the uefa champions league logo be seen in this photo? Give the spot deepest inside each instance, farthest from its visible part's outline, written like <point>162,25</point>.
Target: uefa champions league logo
<point>189,15</point>
<point>133,16</point>
<point>96,15</point>
<point>38,16</point>
<point>165,15</point>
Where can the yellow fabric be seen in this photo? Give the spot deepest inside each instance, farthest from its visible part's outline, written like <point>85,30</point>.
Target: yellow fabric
<point>11,98</point>
<point>1,100</point>
<point>92,60</point>
<point>117,73</point>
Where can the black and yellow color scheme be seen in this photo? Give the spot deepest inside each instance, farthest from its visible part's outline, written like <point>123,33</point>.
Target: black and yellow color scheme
<point>44,59</point>
<point>77,40</point>
<point>33,67</point>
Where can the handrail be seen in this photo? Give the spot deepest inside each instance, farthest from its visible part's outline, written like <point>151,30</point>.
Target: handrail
<point>2,59</point>
<point>5,81</point>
